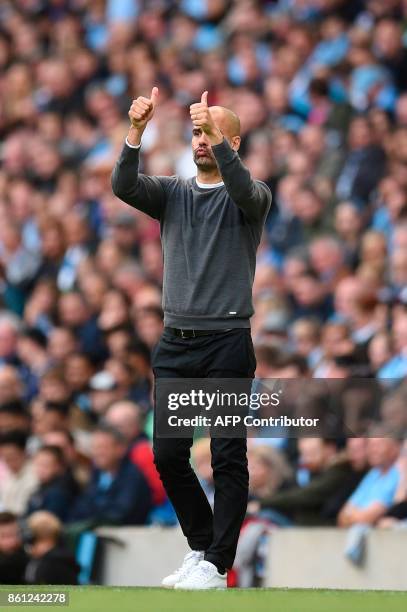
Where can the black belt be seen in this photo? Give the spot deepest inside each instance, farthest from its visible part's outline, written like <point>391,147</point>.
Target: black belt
<point>194,333</point>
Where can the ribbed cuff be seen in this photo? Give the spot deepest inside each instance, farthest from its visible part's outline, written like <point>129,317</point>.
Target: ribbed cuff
<point>132,146</point>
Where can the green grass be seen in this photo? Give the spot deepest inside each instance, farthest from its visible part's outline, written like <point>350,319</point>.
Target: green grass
<point>120,599</point>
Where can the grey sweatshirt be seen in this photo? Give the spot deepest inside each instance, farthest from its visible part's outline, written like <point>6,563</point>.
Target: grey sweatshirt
<point>209,238</point>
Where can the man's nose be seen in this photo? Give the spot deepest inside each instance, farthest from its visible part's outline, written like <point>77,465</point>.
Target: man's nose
<point>203,140</point>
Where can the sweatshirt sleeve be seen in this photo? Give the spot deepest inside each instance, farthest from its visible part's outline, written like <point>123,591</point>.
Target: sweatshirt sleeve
<point>252,197</point>
<point>146,193</point>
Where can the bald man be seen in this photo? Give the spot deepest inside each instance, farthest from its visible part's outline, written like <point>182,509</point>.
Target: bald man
<point>211,226</point>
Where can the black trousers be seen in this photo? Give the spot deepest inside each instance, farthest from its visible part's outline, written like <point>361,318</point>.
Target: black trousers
<point>223,355</point>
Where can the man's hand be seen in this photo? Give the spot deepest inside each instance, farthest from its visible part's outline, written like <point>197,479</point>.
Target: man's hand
<point>140,113</point>
<point>202,119</point>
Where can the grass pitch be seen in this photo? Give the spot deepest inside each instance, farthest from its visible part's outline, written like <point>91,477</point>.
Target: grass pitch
<point>121,599</point>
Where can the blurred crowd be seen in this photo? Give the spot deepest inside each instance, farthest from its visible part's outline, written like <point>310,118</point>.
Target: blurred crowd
<point>321,90</point>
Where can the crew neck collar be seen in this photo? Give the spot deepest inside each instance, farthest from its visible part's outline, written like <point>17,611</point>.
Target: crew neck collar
<point>208,185</point>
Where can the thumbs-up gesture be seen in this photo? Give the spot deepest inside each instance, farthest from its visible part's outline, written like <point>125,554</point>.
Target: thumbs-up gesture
<point>142,109</point>
<point>201,116</point>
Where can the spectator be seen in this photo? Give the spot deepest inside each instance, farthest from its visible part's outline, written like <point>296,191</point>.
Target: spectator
<point>356,452</point>
<point>17,486</point>
<point>328,471</point>
<point>50,562</point>
<point>78,464</point>
<point>364,165</point>
<point>13,558</point>
<point>13,414</point>
<point>56,491</point>
<point>117,493</point>
<point>127,418</point>
<point>269,473</point>
<point>376,493</point>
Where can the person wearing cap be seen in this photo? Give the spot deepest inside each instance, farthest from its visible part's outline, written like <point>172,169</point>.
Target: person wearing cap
<point>211,226</point>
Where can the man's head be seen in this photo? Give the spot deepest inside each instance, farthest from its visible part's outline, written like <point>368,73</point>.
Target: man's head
<point>229,124</point>
<point>126,417</point>
<point>45,531</point>
<point>63,439</point>
<point>11,387</point>
<point>49,463</point>
<point>13,415</point>
<point>108,448</point>
<point>9,329</point>
<point>12,450</point>
<point>305,335</point>
<point>382,449</point>
<point>10,538</point>
<point>356,452</point>
<point>48,416</point>
<point>316,453</point>
<point>32,345</point>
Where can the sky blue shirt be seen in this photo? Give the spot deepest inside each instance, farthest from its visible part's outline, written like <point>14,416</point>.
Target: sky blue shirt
<point>376,486</point>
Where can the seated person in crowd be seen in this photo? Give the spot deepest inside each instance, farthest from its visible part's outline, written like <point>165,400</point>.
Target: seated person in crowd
<point>269,473</point>
<point>78,464</point>
<point>13,558</point>
<point>13,413</point>
<point>127,418</point>
<point>117,493</point>
<point>328,471</point>
<point>50,561</point>
<point>377,491</point>
<point>56,490</point>
<point>20,480</point>
<point>356,453</point>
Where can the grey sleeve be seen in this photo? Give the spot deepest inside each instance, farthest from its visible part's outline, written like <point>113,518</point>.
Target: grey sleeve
<point>146,193</point>
<point>252,197</point>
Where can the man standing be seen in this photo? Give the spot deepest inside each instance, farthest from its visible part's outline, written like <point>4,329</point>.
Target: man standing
<point>211,226</point>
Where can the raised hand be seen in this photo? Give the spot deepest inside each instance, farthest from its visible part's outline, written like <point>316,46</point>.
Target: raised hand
<point>142,110</point>
<point>201,117</point>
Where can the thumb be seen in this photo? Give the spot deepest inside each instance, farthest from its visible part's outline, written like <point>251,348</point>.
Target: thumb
<point>154,96</point>
<point>204,98</point>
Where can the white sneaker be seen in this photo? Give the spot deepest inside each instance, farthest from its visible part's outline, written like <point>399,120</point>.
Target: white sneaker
<point>205,575</point>
<point>190,561</point>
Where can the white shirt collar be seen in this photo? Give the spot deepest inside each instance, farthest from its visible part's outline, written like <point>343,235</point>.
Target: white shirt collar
<point>209,185</point>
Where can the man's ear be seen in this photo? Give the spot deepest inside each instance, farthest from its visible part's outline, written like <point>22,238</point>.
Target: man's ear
<point>236,140</point>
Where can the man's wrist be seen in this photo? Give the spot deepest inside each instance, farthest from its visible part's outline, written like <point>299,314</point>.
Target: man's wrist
<point>134,137</point>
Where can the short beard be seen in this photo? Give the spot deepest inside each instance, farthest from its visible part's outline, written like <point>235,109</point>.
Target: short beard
<point>205,164</point>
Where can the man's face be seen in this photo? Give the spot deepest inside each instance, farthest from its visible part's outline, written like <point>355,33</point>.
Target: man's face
<point>106,452</point>
<point>382,452</point>
<point>201,146</point>
<point>312,453</point>
<point>13,457</point>
<point>202,150</point>
<point>10,539</point>
<point>46,467</point>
